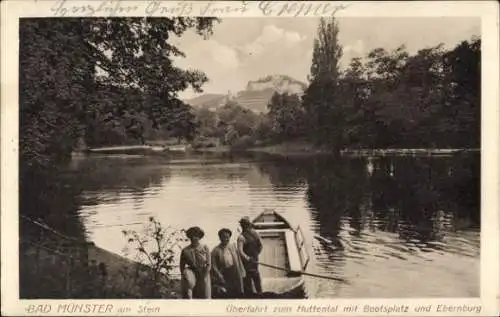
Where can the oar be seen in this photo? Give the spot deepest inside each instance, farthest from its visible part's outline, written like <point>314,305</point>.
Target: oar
<point>336,246</point>
<point>338,279</point>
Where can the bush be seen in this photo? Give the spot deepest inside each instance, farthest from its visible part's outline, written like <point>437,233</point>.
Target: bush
<point>203,142</point>
<point>243,142</point>
<point>155,250</point>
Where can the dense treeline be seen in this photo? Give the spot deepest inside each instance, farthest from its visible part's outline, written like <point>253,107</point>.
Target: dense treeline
<point>120,116</point>
<point>387,99</point>
<point>393,99</point>
<point>429,99</point>
<point>231,125</point>
<point>103,80</point>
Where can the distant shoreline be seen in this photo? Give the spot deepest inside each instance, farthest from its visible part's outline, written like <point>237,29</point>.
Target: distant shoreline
<point>285,149</point>
<point>300,149</point>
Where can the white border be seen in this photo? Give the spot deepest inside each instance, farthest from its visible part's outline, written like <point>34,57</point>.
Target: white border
<point>489,295</point>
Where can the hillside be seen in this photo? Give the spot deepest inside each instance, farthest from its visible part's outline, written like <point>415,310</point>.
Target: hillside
<point>255,100</point>
<point>256,95</point>
<point>212,101</point>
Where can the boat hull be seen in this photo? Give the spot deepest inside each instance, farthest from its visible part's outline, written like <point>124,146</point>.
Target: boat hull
<point>280,261</point>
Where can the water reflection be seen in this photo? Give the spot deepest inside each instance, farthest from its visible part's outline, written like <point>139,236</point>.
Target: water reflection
<point>48,198</point>
<point>111,177</point>
<point>367,220</point>
<point>353,201</point>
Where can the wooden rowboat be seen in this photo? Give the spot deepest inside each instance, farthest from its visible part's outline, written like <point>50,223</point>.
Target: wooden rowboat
<point>284,256</point>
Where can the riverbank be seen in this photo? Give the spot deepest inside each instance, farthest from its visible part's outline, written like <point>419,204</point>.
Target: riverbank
<point>57,266</point>
<point>290,149</point>
<point>304,149</point>
<point>125,277</point>
<point>285,149</point>
<point>145,149</point>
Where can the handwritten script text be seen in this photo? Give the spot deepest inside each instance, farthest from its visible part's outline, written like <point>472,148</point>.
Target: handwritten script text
<point>63,8</point>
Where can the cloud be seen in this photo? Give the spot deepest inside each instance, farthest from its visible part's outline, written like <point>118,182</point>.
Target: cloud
<point>223,55</point>
<point>217,60</point>
<point>245,49</point>
<point>209,53</point>
<point>272,36</point>
<point>350,51</point>
<point>354,49</point>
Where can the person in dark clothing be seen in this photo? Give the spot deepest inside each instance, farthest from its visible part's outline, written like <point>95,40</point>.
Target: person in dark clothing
<point>249,247</point>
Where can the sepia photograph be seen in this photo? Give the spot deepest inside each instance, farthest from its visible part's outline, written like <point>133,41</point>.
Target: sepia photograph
<point>213,157</point>
<point>177,158</point>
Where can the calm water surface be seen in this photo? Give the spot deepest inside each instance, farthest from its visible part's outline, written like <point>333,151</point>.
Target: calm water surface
<point>400,227</point>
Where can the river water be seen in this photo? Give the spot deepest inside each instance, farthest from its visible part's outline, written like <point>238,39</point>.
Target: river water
<point>397,227</point>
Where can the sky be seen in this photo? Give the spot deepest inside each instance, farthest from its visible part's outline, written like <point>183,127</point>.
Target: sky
<point>244,49</point>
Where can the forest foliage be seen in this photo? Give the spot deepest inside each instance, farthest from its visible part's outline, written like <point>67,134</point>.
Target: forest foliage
<point>395,99</point>
<point>385,99</point>
<point>102,81</point>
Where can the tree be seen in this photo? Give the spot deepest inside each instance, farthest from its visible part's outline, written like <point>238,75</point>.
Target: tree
<point>324,117</point>
<point>54,80</point>
<point>105,80</point>
<point>286,116</point>
<point>354,93</point>
<point>463,107</point>
<point>76,73</point>
<point>384,106</point>
<point>179,122</point>
<point>423,85</point>
<point>234,122</point>
<point>206,121</point>
<point>263,128</point>
<point>426,100</point>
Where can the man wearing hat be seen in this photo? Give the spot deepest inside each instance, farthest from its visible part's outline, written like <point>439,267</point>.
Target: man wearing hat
<point>250,246</point>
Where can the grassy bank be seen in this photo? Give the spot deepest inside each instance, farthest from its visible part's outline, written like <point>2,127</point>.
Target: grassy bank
<point>129,279</point>
<point>46,273</point>
<point>56,266</point>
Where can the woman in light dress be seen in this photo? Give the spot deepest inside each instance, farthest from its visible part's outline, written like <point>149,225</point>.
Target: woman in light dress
<point>195,265</point>
<point>227,268</point>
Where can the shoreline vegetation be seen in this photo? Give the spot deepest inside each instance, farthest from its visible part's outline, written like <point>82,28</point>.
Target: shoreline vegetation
<point>118,266</point>
<point>87,270</point>
<point>284,149</point>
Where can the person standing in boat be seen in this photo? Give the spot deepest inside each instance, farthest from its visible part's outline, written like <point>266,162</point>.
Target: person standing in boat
<point>227,268</point>
<point>195,263</point>
<point>249,247</point>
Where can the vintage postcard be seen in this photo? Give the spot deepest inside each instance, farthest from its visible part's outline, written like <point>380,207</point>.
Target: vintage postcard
<point>250,158</point>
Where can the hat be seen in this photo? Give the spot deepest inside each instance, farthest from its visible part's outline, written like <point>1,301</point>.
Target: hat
<point>225,230</point>
<point>195,232</point>
<point>245,220</point>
